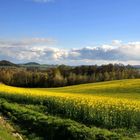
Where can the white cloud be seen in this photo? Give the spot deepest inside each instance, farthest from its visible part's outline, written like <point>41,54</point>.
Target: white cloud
<point>116,42</point>
<point>40,50</point>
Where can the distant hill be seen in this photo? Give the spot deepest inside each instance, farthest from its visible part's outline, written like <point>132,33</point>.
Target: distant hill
<point>7,63</point>
<point>137,66</point>
<point>32,63</point>
<point>35,64</point>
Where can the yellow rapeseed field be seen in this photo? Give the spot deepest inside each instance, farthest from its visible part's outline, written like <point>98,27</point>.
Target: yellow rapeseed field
<point>93,109</point>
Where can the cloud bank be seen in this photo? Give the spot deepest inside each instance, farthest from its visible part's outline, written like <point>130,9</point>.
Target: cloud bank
<point>40,50</point>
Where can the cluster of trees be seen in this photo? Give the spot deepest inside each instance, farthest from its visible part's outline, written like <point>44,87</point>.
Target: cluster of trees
<point>65,75</point>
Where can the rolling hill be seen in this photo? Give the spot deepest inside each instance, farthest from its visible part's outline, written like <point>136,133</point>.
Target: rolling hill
<point>118,88</point>
<point>7,63</point>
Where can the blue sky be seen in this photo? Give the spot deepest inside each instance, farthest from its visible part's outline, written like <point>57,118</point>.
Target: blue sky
<point>72,26</point>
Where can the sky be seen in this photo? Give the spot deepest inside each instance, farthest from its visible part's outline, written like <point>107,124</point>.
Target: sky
<point>72,32</point>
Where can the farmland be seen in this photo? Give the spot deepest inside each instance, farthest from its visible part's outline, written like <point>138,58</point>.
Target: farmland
<point>104,110</point>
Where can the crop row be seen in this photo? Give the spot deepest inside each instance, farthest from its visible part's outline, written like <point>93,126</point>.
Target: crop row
<point>50,127</point>
<point>91,110</point>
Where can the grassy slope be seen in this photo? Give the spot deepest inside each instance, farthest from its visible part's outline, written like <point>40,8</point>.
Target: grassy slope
<point>6,131</point>
<point>120,89</point>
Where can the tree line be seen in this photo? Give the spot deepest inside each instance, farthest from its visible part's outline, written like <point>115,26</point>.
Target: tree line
<point>65,75</point>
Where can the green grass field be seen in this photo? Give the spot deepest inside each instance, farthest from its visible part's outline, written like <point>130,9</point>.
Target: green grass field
<point>7,131</point>
<point>100,111</point>
<point>118,88</point>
